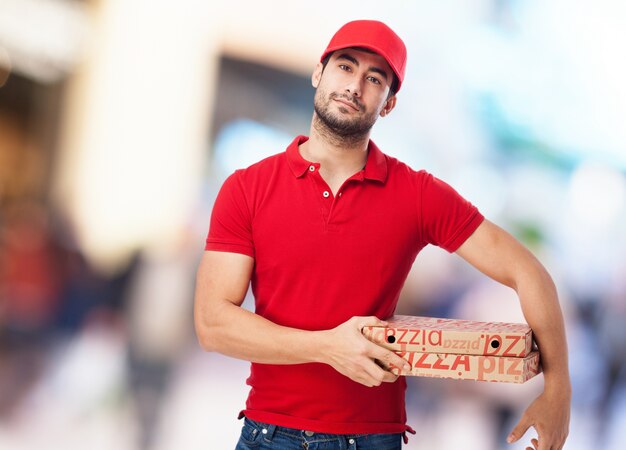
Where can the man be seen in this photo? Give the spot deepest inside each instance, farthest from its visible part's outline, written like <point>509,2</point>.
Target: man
<point>326,232</point>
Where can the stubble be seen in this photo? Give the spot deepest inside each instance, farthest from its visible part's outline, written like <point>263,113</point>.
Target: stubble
<point>341,130</point>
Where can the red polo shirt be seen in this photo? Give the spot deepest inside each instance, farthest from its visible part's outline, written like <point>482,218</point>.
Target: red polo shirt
<point>321,259</point>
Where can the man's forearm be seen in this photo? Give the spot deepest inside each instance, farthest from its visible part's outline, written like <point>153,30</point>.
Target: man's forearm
<point>237,332</point>
<point>540,305</point>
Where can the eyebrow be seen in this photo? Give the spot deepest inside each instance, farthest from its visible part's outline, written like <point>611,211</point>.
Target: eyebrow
<point>354,61</point>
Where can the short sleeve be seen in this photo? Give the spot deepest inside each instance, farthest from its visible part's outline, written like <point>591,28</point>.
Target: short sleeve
<point>230,227</point>
<point>448,219</point>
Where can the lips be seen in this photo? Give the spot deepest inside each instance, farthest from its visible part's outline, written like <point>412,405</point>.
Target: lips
<point>347,103</point>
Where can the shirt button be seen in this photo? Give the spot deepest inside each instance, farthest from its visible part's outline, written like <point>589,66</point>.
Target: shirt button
<point>312,168</point>
<point>264,431</point>
<point>326,194</point>
<point>309,433</point>
<point>351,441</point>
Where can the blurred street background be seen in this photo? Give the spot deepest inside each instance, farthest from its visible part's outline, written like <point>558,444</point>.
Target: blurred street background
<point>119,120</point>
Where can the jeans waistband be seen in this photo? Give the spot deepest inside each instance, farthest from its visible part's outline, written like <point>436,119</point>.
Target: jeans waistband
<point>270,430</point>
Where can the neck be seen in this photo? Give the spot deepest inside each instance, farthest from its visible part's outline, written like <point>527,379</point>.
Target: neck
<point>335,152</point>
<point>322,131</point>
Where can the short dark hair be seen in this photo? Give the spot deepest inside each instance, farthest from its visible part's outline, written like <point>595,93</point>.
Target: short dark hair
<point>394,83</point>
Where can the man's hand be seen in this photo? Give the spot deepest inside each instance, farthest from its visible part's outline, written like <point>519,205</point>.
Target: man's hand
<point>549,416</point>
<point>353,355</point>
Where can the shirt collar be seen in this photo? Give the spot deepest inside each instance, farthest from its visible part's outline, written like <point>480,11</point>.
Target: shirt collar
<point>296,162</point>
<point>375,167</point>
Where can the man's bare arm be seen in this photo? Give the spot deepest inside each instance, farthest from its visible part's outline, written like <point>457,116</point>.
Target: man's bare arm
<point>497,254</point>
<point>222,325</point>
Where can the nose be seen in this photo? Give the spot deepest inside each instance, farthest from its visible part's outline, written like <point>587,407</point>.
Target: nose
<point>354,87</point>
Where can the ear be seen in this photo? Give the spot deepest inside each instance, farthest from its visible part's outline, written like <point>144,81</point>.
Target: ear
<point>389,105</point>
<point>317,75</point>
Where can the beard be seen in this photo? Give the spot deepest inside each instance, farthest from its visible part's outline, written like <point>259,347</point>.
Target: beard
<point>346,129</point>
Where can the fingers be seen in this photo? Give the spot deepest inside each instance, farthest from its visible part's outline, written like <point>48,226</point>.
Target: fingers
<point>377,375</point>
<point>549,418</point>
<point>542,442</point>
<point>356,357</point>
<point>377,363</point>
<point>374,367</point>
<point>547,439</point>
<point>369,321</point>
<point>535,443</point>
<point>390,359</point>
<point>538,446</point>
<point>519,430</point>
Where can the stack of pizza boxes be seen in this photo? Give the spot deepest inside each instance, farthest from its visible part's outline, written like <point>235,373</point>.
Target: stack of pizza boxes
<point>460,349</point>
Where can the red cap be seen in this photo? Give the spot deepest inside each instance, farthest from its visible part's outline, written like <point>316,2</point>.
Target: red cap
<point>375,36</point>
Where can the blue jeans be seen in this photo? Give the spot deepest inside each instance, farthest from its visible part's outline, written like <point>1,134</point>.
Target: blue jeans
<point>256,435</point>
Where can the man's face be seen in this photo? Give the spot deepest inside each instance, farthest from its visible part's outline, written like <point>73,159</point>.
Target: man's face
<point>352,91</point>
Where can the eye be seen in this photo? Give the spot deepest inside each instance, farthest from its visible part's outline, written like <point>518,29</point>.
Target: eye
<point>374,80</point>
<point>344,67</point>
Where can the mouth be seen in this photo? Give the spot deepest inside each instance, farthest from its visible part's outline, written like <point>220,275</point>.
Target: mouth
<point>347,103</point>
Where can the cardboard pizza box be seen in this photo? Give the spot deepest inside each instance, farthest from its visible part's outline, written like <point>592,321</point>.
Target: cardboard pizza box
<point>471,367</point>
<point>453,336</point>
